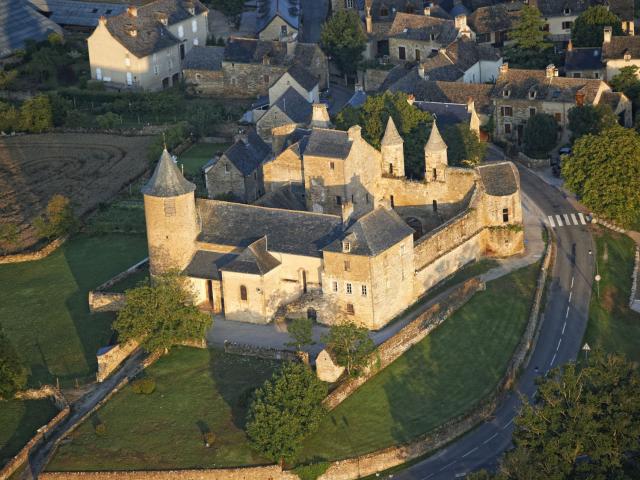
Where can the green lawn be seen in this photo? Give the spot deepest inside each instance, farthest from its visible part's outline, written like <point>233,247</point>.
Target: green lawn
<point>199,154</point>
<point>438,379</point>
<point>196,390</point>
<point>131,281</point>
<point>44,310</point>
<point>613,326</point>
<point>19,421</point>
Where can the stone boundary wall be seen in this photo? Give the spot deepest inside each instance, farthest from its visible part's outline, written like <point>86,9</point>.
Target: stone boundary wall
<point>271,472</point>
<point>36,255</point>
<point>533,162</point>
<point>110,360</point>
<point>23,455</point>
<point>122,275</point>
<point>266,353</point>
<point>102,301</point>
<point>610,225</point>
<point>46,391</point>
<point>634,300</point>
<point>408,336</point>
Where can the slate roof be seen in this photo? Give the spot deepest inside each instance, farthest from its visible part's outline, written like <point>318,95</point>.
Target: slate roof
<point>391,135</point>
<point>206,264</point>
<point>499,179</point>
<point>255,260</point>
<point>435,142</point>
<point>553,8</point>
<point>303,76</point>
<point>451,63</point>
<point>357,99</point>
<point>552,89</point>
<point>167,181</point>
<point>407,6</point>
<point>288,231</point>
<point>440,67</point>
<point>248,156</point>
<point>624,9</point>
<point>76,13</point>
<point>203,58</point>
<point>495,18</point>
<point>445,113</point>
<point>324,142</point>
<point>618,46</point>
<point>251,50</point>
<point>587,58</point>
<point>287,10</point>
<point>373,233</point>
<point>294,105</point>
<point>152,35</point>
<point>421,27</point>
<point>20,22</point>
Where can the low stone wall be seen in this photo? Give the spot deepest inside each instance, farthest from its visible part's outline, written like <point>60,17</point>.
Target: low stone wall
<point>46,391</point>
<point>634,301</point>
<point>402,341</point>
<point>610,225</point>
<point>110,358</point>
<point>271,472</point>
<point>23,455</point>
<point>533,162</point>
<point>37,255</point>
<point>105,301</point>
<point>267,353</point>
<point>122,275</point>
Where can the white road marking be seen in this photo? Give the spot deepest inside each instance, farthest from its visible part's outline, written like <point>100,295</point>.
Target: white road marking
<point>428,476</point>
<point>470,452</point>
<point>572,279</point>
<point>563,327</point>
<point>559,342</point>
<point>567,315</point>
<point>490,438</point>
<point>566,218</point>
<point>508,423</point>
<point>575,220</point>
<point>551,222</point>
<point>570,294</point>
<point>553,360</point>
<point>447,465</point>
<point>559,220</point>
<point>582,220</point>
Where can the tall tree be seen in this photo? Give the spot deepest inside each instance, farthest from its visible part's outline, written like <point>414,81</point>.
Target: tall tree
<point>13,375</point>
<point>604,170</point>
<point>301,333</point>
<point>58,219</point>
<point>540,135</point>
<point>465,148</point>
<point>161,314</point>
<point>286,410</point>
<point>36,114</point>
<point>587,30</point>
<point>344,40</point>
<point>627,82</point>
<point>589,119</point>
<point>530,48</point>
<point>350,345</point>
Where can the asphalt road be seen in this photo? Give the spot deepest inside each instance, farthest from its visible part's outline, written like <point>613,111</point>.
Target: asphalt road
<point>314,13</point>
<point>564,323</point>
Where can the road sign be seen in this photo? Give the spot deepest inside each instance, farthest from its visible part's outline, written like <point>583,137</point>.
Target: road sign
<point>598,278</point>
<point>586,347</point>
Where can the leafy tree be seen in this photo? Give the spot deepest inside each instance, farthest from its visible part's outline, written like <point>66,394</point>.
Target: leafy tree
<point>58,219</point>
<point>412,123</point>
<point>161,314</point>
<point>343,39</point>
<point>286,410</point>
<point>588,119</point>
<point>301,332</point>
<point>36,114</point>
<point>465,148</point>
<point>604,171</point>
<point>8,234</point>
<point>13,375</point>
<point>540,135</point>
<point>627,82</point>
<point>9,117</point>
<point>350,345</point>
<point>60,107</point>
<point>108,120</point>
<point>587,30</point>
<point>530,48</point>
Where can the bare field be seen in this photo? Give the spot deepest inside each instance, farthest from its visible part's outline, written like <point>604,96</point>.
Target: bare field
<point>87,168</point>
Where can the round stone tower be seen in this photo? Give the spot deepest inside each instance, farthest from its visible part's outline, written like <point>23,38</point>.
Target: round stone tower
<point>392,149</point>
<point>170,213</point>
<point>435,157</point>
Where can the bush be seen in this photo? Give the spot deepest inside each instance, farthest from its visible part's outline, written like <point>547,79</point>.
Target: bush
<point>36,114</point>
<point>540,135</point>
<point>58,220</point>
<point>209,438</point>
<point>144,386</point>
<point>108,120</point>
<point>101,429</point>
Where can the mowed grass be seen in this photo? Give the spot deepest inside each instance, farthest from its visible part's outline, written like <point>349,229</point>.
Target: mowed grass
<point>613,326</point>
<point>44,308</point>
<point>197,390</point>
<point>199,154</point>
<point>441,377</point>
<point>19,421</point>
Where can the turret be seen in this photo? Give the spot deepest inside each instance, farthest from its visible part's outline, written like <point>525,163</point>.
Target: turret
<point>392,149</point>
<point>435,157</point>
<point>170,214</point>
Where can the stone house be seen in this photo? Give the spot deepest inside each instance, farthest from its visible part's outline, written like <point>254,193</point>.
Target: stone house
<point>559,16</point>
<point>145,46</point>
<point>301,80</point>
<point>237,173</point>
<point>290,108</point>
<point>493,23</point>
<point>519,94</point>
<point>584,62</point>
<point>248,67</point>
<point>625,10</point>
<point>277,19</point>
<point>254,263</point>
<point>619,52</point>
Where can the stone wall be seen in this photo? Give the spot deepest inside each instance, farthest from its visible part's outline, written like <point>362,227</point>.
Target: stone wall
<point>37,255</point>
<point>533,162</point>
<point>122,275</point>
<point>267,353</point>
<point>46,391</point>
<point>105,301</point>
<point>271,472</point>
<point>634,301</point>
<point>402,341</point>
<point>111,358</point>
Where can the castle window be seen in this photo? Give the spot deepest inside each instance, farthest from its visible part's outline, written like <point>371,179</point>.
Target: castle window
<point>435,205</point>
<point>169,207</point>
<point>392,201</point>
<point>505,215</point>
<point>347,265</point>
<point>332,165</point>
<point>367,197</point>
<point>334,286</point>
<point>402,53</point>
<point>506,93</point>
<point>532,94</point>
<point>338,200</point>
<point>350,309</point>
<point>243,293</point>
<point>349,288</point>
<point>226,169</point>
<point>283,30</point>
<point>532,112</point>
<point>391,168</point>
<point>348,3</point>
<point>384,12</point>
<point>346,247</point>
<point>567,25</point>
<point>364,290</point>
<point>435,174</point>
<point>265,79</point>
<point>417,55</point>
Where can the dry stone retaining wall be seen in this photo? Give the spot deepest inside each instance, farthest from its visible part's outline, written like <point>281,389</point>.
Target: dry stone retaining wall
<point>267,353</point>
<point>271,472</point>
<point>37,255</point>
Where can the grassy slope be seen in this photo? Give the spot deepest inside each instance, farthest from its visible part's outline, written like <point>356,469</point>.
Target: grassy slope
<point>18,423</point>
<point>44,310</point>
<point>195,389</point>
<point>441,377</point>
<point>612,326</point>
<point>194,158</point>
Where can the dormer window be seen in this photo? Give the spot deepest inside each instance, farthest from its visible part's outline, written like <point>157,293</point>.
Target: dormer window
<point>384,12</point>
<point>567,10</point>
<point>346,246</point>
<point>532,94</point>
<point>433,36</point>
<point>506,93</point>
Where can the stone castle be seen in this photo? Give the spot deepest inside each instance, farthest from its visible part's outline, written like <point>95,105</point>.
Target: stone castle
<point>369,244</point>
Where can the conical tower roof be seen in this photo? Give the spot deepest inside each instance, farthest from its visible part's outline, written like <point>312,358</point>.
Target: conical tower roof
<point>435,143</point>
<point>167,181</point>
<point>391,135</point>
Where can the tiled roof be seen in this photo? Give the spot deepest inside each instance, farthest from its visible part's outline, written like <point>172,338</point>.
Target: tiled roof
<point>288,231</point>
<point>587,58</point>
<point>250,50</point>
<point>203,58</point>
<point>373,233</point>
<point>551,89</point>
<point>151,35</point>
<point>421,27</point>
<point>495,18</point>
<point>624,9</point>
<point>206,264</point>
<point>247,156</point>
<point>552,8</point>
<point>391,135</point>
<point>77,13</point>
<point>393,7</point>
<point>441,67</point>
<point>499,179</point>
<point>294,105</point>
<point>449,64</point>
<point>324,142</point>
<point>20,22</point>
<point>167,181</point>
<point>303,76</point>
<point>287,10</point>
<point>255,259</point>
<point>618,46</point>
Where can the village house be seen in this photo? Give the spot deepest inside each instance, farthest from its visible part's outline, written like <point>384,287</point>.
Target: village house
<point>145,46</point>
<point>584,62</point>
<point>625,10</point>
<point>619,52</point>
<point>277,19</point>
<point>493,23</point>
<point>559,17</point>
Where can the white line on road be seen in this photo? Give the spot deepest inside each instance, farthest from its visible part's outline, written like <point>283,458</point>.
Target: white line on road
<point>570,294</point>
<point>582,220</point>
<point>559,220</point>
<point>572,279</point>
<point>447,465</point>
<point>490,438</point>
<point>559,342</point>
<point>566,218</point>
<point>551,222</point>
<point>470,452</point>
<point>508,423</point>
<point>553,360</point>
<point>428,476</point>
<point>564,326</point>
<point>575,220</point>
<point>567,315</point>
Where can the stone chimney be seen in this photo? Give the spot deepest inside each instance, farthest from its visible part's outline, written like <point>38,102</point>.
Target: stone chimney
<point>579,99</point>
<point>102,20</point>
<point>421,71</point>
<point>549,71</point>
<point>132,11</point>
<point>190,7</point>
<point>320,116</point>
<point>131,30</point>
<point>292,43</point>
<point>241,135</point>
<point>474,119</point>
<point>570,46</point>
<point>411,99</point>
<point>368,20</point>
<point>347,214</point>
<point>608,32</point>
<point>427,11</point>
<point>504,68</point>
<point>355,133</point>
<point>461,22</point>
